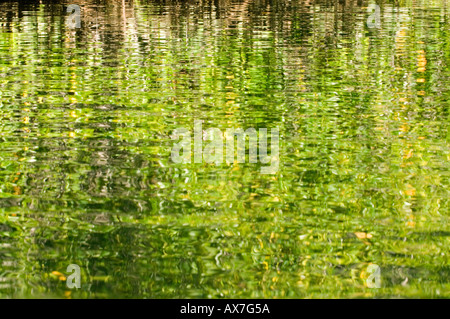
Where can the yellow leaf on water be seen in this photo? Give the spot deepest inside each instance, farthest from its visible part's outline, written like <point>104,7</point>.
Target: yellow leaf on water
<point>17,190</point>
<point>422,63</point>
<point>362,235</point>
<point>363,275</point>
<point>409,154</point>
<point>57,273</point>
<point>410,191</point>
<point>411,224</point>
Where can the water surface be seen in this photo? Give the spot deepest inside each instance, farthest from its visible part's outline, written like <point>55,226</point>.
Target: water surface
<point>85,141</point>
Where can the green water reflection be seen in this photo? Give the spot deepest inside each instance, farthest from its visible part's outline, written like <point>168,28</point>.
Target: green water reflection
<point>85,170</point>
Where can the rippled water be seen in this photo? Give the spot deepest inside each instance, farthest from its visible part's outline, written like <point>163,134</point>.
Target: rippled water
<point>87,117</point>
